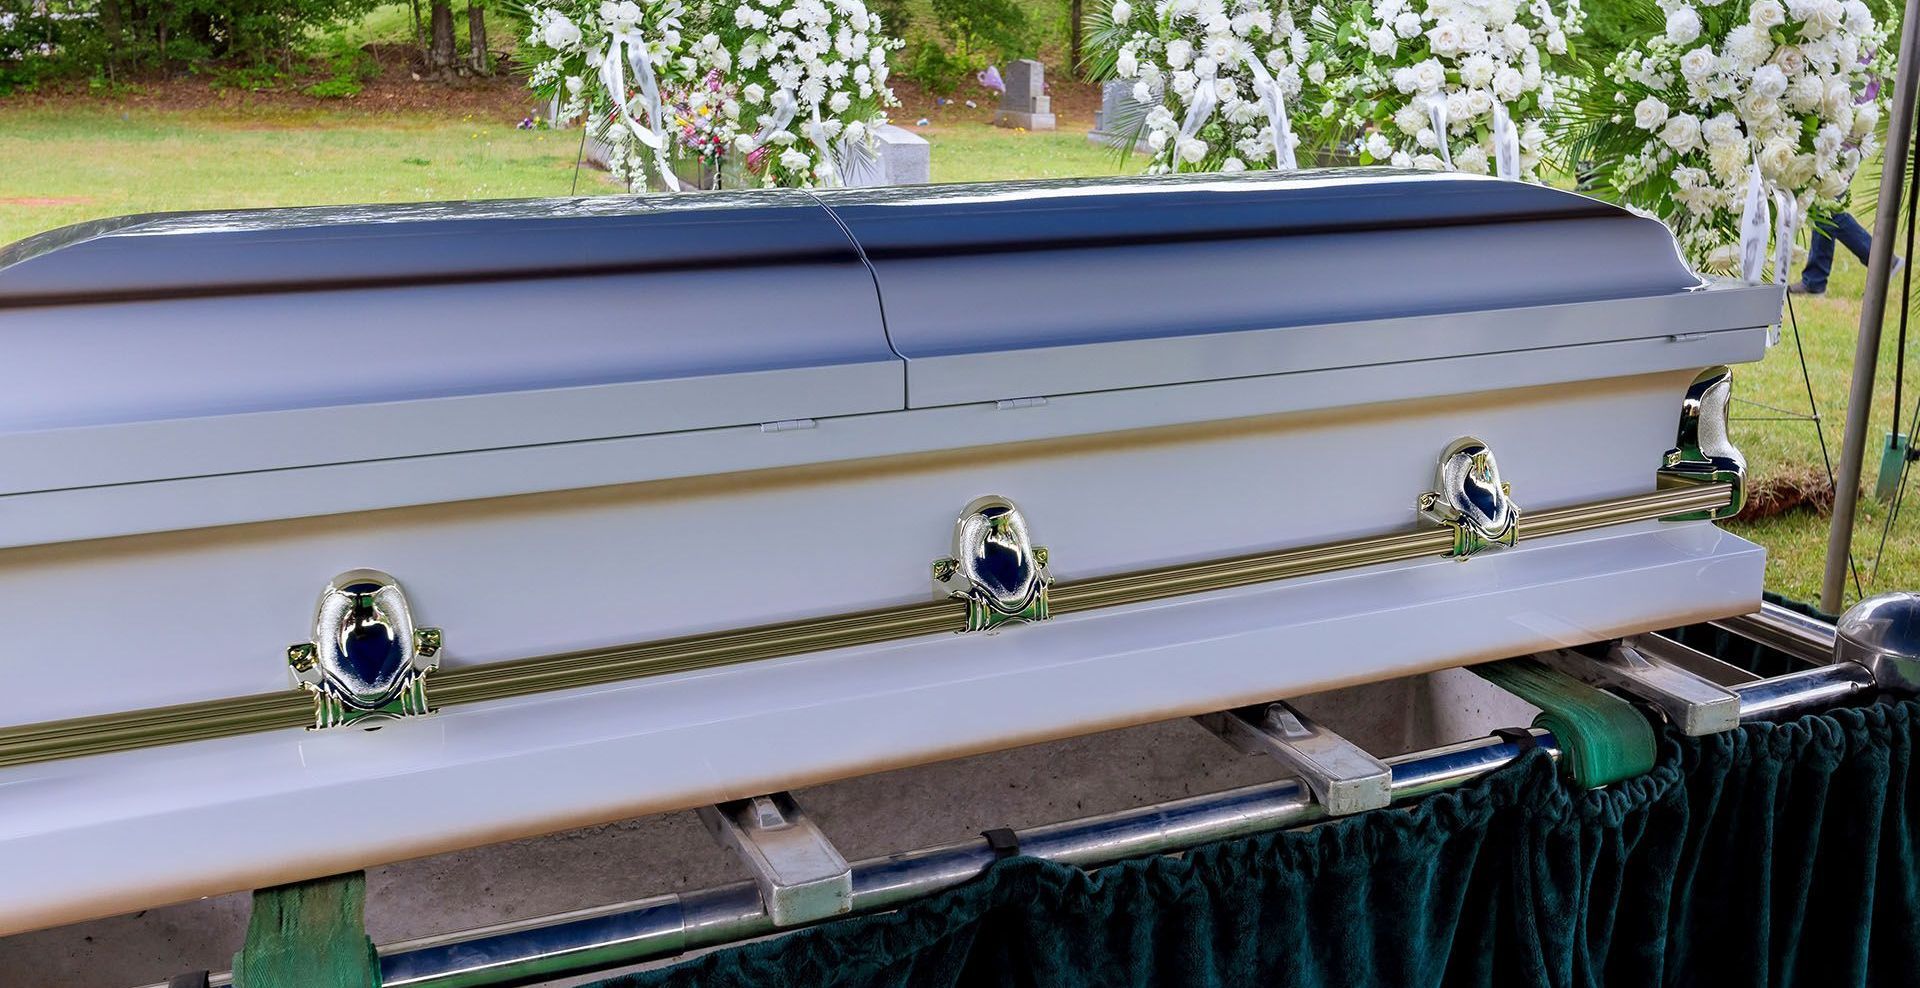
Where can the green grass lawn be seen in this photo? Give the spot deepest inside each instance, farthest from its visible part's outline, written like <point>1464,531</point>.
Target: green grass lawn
<point>67,165</point>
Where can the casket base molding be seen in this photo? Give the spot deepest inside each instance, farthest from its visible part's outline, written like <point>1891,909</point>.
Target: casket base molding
<point>97,836</point>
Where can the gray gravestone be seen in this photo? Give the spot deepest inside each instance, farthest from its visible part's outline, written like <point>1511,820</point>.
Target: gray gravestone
<point>1025,103</point>
<point>1119,116</point>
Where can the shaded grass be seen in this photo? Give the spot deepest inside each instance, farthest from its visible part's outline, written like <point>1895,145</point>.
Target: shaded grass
<point>60,167</point>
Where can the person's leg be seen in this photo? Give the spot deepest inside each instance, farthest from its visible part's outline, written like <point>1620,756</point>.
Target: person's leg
<point>1848,231</point>
<point>1813,277</point>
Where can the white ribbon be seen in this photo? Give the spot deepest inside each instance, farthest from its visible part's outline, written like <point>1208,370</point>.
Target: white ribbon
<point>1268,89</point>
<point>1786,223</point>
<point>1205,97</point>
<point>1437,115</point>
<point>860,161</point>
<point>1506,144</point>
<point>628,49</point>
<point>816,132</point>
<point>1754,224</point>
<point>780,112</point>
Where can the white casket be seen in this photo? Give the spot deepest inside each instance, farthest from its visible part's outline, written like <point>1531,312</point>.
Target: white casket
<point>678,485</point>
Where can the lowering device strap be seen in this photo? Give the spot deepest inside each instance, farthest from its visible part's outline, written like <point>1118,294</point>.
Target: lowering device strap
<point>1604,738</point>
<point>309,935</point>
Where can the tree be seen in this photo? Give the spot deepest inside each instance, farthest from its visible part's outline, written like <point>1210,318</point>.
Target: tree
<point>440,53</point>
<point>477,38</point>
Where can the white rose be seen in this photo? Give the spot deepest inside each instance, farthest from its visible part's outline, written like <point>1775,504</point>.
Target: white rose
<point>1444,39</point>
<point>794,159</point>
<point>754,92</point>
<point>1141,92</point>
<point>1865,118</point>
<point>1683,25</point>
<point>1126,64</point>
<point>1767,13</point>
<point>1557,43</point>
<point>1698,63</point>
<point>1406,24</point>
<point>559,33</point>
<point>1404,80</point>
<point>1479,102</point>
<point>1378,147</point>
<point>1429,76</point>
<point>1317,73</point>
<point>1402,159</point>
<point>1508,84</point>
<point>1426,138</point>
<point>1649,113</point>
<point>1791,60</point>
<point>1428,162</point>
<point>1233,165</point>
<point>1192,149</point>
<point>1821,17</point>
<point>1179,53</point>
<point>839,102</point>
<point>575,84</point>
<point>1381,41</point>
<point>1682,132</point>
<point>1839,96</point>
<point>1122,11</point>
<point>1516,36</point>
<point>1458,110</point>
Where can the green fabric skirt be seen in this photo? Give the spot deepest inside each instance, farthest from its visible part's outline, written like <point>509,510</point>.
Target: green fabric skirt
<point>1773,855</point>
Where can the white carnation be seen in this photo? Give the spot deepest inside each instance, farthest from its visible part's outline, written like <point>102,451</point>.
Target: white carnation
<point>1378,147</point>
<point>1683,25</point>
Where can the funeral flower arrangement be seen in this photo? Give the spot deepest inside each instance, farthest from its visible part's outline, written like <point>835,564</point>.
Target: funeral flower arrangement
<point>1439,84</point>
<point>813,82</point>
<point>1212,79</point>
<point>791,89</point>
<point>1678,124</point>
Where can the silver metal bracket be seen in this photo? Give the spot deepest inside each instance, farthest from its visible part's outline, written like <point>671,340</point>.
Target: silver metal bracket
<point>1646,666</point>
<point>367,661</point>
<point>1702,451</point>
<point>1469,497</point>
<point>995,567</point>
<point>802,877</point>
<point>1343,776</point>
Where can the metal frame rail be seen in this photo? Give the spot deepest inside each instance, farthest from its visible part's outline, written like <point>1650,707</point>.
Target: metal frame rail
<point>801,880</point>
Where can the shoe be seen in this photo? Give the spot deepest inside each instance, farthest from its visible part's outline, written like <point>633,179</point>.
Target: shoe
<point>1800,288</point>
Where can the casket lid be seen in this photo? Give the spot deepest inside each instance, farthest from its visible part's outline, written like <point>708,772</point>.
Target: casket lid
<point>191,345</point>
<point>1035,288</point>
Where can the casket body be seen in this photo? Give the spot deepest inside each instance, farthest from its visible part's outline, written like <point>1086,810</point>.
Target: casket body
<point>570,426</point>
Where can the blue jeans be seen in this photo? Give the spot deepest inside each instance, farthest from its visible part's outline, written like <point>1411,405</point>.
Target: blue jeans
<point>1820,253</point>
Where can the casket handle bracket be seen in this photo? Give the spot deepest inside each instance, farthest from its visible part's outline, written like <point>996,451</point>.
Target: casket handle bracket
<point>366,662</point>
<point>1469,498</point>
<point>994,567</point>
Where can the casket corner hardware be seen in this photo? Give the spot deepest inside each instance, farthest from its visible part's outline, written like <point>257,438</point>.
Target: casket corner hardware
<point>1471,500</point>
<point>1703,451</point>
<point>367,661</point>
<point>994,566</point>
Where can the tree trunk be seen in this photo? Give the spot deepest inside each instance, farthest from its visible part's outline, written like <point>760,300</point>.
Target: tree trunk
<point>440,57</point>
<point>477,37</point>
<point>419,32</point>
<point>1075,15</point>
<point>110,23</point>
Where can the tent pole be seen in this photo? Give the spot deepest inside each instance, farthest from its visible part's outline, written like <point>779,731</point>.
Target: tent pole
<point>1873,310</point>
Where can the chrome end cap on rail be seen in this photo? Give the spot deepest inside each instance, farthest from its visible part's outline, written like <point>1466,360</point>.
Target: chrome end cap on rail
<point>1882,633</point>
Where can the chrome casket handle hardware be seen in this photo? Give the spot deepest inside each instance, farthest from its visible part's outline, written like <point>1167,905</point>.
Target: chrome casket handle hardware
<point>366,661</point>
<point>1703,452</point>
<point>995,567</point>
<point>1469,497</point>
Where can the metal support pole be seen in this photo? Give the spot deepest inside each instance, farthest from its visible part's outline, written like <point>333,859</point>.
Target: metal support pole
<point>1873,310</point>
